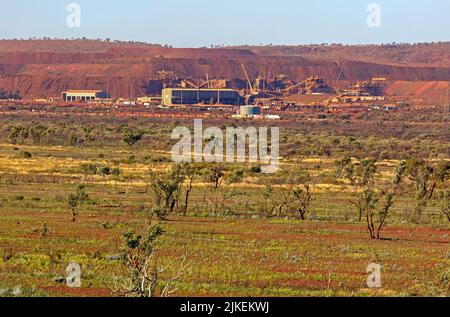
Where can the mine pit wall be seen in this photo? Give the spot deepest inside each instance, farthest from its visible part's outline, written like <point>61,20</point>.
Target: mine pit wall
<point>38,86</point>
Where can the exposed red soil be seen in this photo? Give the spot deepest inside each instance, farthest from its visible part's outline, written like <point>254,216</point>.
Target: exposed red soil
<point>437,54</point>
<point>310,284</point>
<point>420,91</point>
<point>76,292</point>
<point>294,269</point>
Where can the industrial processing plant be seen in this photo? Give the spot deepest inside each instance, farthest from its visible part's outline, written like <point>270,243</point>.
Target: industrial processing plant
<point>184,96</point>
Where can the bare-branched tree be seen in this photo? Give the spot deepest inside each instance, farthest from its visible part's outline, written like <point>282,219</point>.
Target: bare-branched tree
<point>376,205</point>
<point>145,277</point>
<point>300,202</point>
<point>363,177</point>
<point>188,171</point>
<point>215,173</point>
<point>165,189</point>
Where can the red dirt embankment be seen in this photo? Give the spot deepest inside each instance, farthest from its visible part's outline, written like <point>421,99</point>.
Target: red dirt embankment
<point>45,68</point>
<point>437,92</point>
<point>420,54</point>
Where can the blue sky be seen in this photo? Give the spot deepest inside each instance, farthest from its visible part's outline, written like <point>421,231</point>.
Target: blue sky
<point>196,23</point>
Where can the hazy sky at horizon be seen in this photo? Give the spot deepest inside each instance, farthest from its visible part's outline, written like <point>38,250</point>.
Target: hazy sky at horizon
<point>196,23</point>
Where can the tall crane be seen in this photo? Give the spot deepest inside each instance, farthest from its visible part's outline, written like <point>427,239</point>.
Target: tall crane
<point>248,79</point>
<point>339,76</point>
